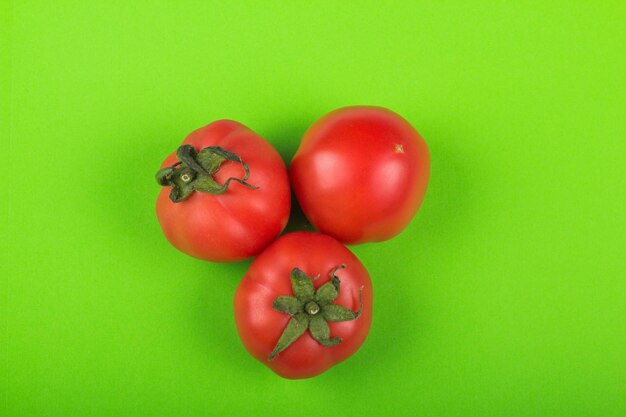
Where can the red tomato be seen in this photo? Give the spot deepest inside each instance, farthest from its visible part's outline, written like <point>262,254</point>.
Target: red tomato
<point>280,293</point>
<point>232,219</point>
<point>360,174</point>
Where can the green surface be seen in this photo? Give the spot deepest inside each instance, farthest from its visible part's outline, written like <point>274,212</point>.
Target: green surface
<point>506,296</point>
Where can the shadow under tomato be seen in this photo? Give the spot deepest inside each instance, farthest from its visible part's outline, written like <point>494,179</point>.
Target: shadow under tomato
<point>286,140</point>
<point>297,220</point>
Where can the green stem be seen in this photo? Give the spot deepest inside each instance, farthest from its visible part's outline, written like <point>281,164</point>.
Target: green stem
<point>312,310</point>
<point>195,170</point>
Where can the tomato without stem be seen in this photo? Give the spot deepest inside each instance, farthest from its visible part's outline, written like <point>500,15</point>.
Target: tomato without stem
<point>226,193</point>
<point>360,174</point>
<point>304,305</point>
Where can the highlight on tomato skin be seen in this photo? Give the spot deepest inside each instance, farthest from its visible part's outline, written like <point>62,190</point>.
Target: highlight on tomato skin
<point>225,193</point>
<point>304,305</point>
<point>360,174</point>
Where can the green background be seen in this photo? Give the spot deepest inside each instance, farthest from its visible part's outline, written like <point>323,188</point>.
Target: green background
<point>506,296</point>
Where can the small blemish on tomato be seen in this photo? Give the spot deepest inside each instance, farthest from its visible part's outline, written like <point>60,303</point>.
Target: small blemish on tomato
<point>399,148</point>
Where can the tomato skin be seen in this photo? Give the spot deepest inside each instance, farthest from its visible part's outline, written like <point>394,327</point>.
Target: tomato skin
<point>241,222</point>
<point>360,174</point>
<point>268,277</point>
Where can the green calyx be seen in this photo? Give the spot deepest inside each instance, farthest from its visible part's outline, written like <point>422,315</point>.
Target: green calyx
<point>195,170</point>
<point>312,310</point>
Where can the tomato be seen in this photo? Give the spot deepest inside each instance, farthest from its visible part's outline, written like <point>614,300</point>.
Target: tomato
<point>226,193</point>
<point>360,174</point>
<point>304,305</point>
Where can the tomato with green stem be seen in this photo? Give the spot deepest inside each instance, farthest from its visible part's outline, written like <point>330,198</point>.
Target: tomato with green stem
<point>304,305</point>
<point>225,193</point>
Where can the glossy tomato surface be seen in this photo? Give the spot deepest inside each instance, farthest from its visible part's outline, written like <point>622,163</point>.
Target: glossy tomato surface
<point>260,326</point>
<point>360,174</point>
<point>241,222</point>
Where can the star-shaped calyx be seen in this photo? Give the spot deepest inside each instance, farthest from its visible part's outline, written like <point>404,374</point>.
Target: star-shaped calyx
<point>312,310</point>
<point>195,170</point>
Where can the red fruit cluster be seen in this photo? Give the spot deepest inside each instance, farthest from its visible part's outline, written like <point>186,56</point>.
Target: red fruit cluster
<point>305,304</point>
